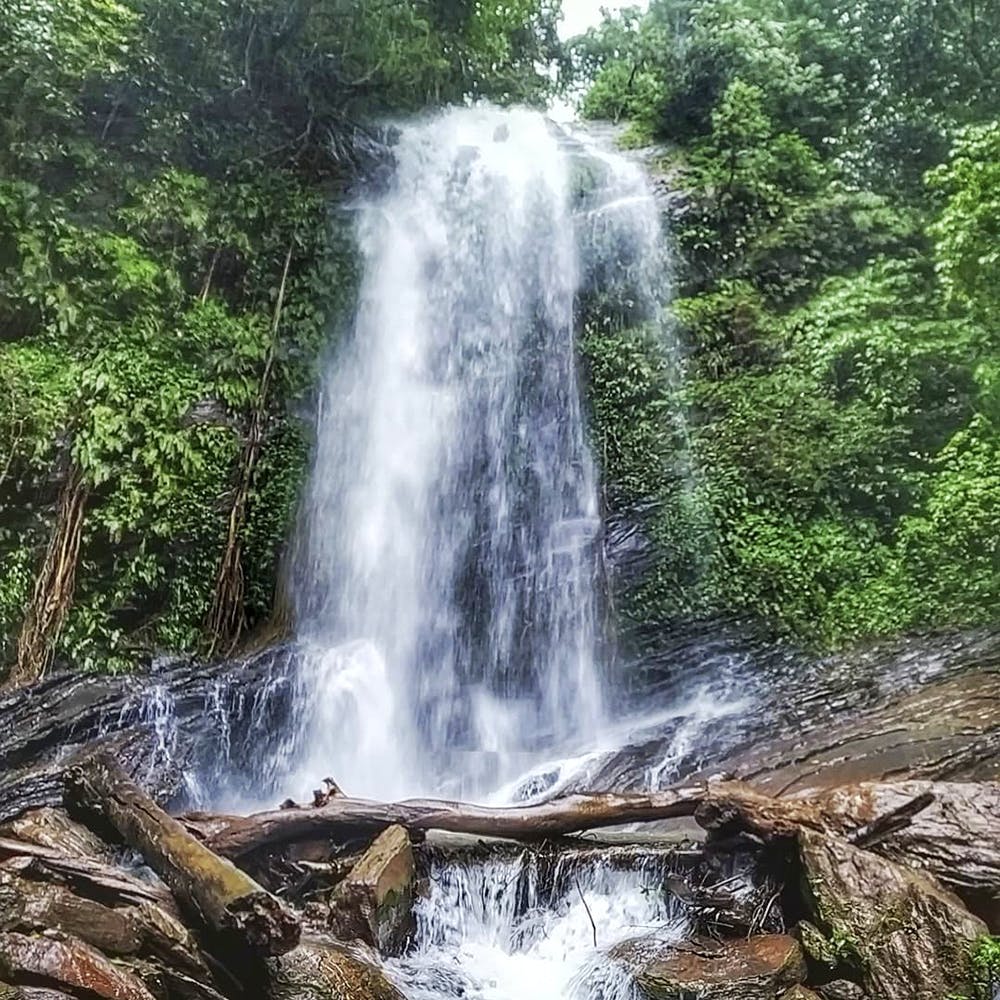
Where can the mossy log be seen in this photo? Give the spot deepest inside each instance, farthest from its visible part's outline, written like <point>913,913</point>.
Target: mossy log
<point>211,889</point>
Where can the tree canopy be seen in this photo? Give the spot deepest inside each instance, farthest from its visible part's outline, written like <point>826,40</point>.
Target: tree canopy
<point>171,261</point>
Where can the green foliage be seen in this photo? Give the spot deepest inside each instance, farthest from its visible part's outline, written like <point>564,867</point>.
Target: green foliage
<point>839,312</point>
<point>159,163</point>
<point>984,969</point>
<point>968,230</point>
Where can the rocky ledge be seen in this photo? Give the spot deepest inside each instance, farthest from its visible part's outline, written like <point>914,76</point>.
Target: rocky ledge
<point>854,856</point>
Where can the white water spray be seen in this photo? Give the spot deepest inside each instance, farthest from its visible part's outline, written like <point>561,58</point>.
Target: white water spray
<point>448,598</point>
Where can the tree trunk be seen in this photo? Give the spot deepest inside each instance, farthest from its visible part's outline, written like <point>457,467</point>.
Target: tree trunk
<point>213,890</point>
<point>242,835</point>
<point>53,594</point>
<point>226,621</point>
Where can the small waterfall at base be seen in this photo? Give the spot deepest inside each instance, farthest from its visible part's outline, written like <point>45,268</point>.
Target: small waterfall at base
<point>448,586</point>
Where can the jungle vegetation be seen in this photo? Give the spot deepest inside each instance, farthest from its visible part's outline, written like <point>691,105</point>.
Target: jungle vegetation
<point>175,258</point>
<point>835,169</point>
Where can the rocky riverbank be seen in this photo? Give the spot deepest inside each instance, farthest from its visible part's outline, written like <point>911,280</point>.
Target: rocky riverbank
<point>851,851</point>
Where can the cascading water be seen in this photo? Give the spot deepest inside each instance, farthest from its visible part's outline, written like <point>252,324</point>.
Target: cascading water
<point>448,590</point>
<point>448,597</point>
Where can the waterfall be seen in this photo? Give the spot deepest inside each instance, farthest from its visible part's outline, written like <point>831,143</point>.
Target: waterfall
<point>449,584</point>
<point>448,595</point>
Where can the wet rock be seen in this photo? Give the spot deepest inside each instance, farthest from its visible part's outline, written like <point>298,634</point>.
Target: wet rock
<point>815,944</point>
<point>53,828</point>
<point>906,936</point>
<point>374,903</point>
<point>44,727</point>
<point>956,837</point>
<point>167,983</point>
<point>920,707</point>
<point>756,968</point>
<point>321,970</point>
<point>60,962</point>
<point>841,989</point>
<point>8,992</point>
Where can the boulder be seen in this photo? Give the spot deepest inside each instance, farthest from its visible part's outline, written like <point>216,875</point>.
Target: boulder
<point>374,903</point>
<point>756,968</point>
<point>53,828</point>
<point>63,963</point>
<point>144,929</point>
<point>321,970</point>
<point>898,930</point>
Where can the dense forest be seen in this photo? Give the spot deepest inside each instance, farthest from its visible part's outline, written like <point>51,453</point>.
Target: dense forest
<point>837,265</point>
<point>172,263</point>
<point>176,258</point>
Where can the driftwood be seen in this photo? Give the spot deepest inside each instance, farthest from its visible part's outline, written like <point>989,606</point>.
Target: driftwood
<point>950,829</point>
<point>213,890</point>
<point>92,879</point>
<point>721,807</point>
<point>345,816</point>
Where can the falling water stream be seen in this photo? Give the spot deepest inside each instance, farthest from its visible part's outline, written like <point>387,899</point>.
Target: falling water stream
<point>449,593</point>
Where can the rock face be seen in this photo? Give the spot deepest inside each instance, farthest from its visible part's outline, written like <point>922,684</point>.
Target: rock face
<point>954,838</point>
<point>320,970</point>
<point>46,727</point>
<point>909,940</point>
<point>375,902</point>
<point>756,968</point>
<point>925,707</point>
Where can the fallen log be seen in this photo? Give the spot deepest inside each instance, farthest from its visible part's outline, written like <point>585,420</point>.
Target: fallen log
<point>951,829</point>
<point>343,816</point>
<point>211,889</point>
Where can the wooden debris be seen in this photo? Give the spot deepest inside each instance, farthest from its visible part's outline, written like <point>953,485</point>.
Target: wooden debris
<point>210,888</point>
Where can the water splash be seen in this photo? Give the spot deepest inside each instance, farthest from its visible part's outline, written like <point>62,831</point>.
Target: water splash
<point>510,928</point>
<point>449,587</point>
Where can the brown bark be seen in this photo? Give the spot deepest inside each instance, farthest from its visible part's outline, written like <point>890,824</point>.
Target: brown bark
<point>551,819</point>
<point>211,889</point>
<point>53,594</point>
<point>52,828</point>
